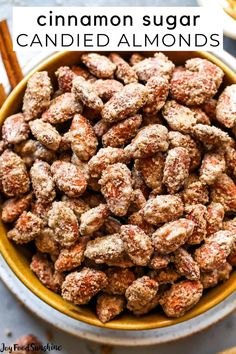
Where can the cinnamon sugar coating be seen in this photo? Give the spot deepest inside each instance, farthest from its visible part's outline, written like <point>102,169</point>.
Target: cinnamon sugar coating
<point>99,65</point>
<point>121,133</point>
<point>172,235</point>
<point>69,178</point>
<point>14,177</point>
<point>125,103</point>
<point>62,109</point>
<point>46,134</point>
<point>62,220</point>
<point>109,306</point>
<point>37,95</point>
<point>137,244</point>
<point>82,137</point>
<point>140,293</point>
<point>181,297</point>
<point>42,181</point>
<point>28,226</point>
<point>15,129</point>
<point>116,187</point>
<point>84,92</point>
<point>123,71</point>
<point>80,287</point>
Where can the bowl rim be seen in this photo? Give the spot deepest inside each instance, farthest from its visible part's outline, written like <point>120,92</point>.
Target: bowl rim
<point>54,300</point>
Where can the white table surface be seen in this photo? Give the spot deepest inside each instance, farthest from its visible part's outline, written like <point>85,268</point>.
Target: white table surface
<point>16,320</point>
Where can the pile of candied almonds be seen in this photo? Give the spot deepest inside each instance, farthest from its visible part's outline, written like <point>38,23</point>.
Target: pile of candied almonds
<point>122,180</point>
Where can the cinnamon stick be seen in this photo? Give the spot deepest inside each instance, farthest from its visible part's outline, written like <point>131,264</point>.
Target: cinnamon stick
<point>3,95</point>
<point>9,57</point>
<point>9,46</point>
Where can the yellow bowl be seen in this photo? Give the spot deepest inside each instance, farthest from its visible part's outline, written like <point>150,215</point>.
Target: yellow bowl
<point>18,258</point>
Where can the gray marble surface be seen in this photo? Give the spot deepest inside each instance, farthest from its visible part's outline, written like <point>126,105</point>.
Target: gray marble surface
<point>16,320</point>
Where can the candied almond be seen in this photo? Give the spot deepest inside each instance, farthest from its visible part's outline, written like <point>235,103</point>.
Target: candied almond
<point>105,157</point>
<point>30,150</point>
<point>12,208</point>
<point>136,58</point>
<point>149,140</point>
<point>179,117</point>
<point>125,103</point>
<point>101,127</point>
<point>70,258</point>
<point>80,287</point>
<point>210,108</point>
<point>121,133</point>
<point>192,88</point>
<point>178,139</point>
<point>28,226</point>
<point>224,191</point>
<point>176,169</point>
<point>62,220</point>
<point>37,95</point>
<point>15,129</point>
<point>82,137</point>
<point>214,252</point>
<point>186,265</point>
<point>137,244</point>
<point>93,219</point>
<point>215,215</point>
<point>84,92</point>
<point>41,209</point>
<point>210,136</point>
<point>159,65</point>
<point>226,107</point>
<point>69,178</point>
<point>109,306</point>
<point>181,297</point>
<point>116,187</point>
<point>140,293</point>
<point>197,213</point>
<point>207,68</point>
<point>62,109</point>
<point>194,192</point>
<point>46,134</point>
<point>78,205</point>
<point>99,65</point>
<point>213,165</point>
<point>45,242</point>
<point>119,280</point>
<point>162,209</point>
<point>123,71</point>
<point>151,169</point>
<point>65,77</point>
<point>158,90</point>
<point>172,235</point>
<point>105,89</point>
<point>212,278</point>
<point>105,249</point>
<point>137,219</point>
<point>159,261</point>
<point>28,341</point>
<point>42,181</point>
<point>46,273</point>
<point>14,178</point>
<point>165,276</point>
